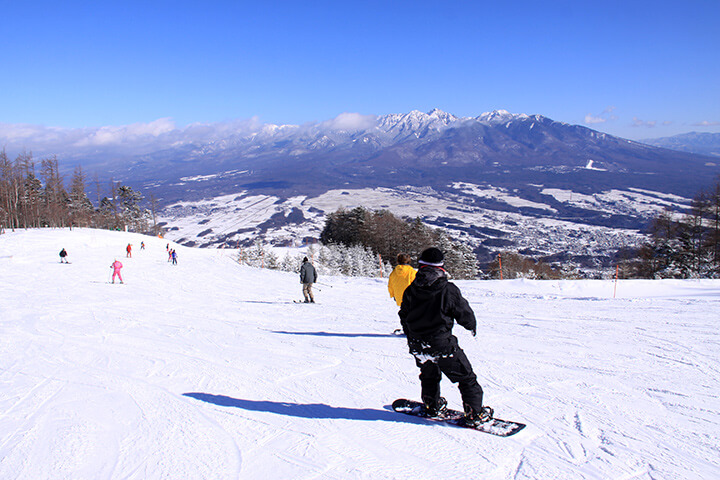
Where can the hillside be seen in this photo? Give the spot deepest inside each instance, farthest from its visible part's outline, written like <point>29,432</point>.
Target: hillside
<point>208,369</point>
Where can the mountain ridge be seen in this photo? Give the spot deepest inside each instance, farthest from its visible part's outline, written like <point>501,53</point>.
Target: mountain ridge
<point>704,143</point>
<point>369,149</point>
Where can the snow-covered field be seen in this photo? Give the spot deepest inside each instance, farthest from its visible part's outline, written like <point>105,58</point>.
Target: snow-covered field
<point>208,369</point>
<point>232,218</point>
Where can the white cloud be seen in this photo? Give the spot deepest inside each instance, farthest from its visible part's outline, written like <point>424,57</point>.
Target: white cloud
<point>706,123</point>
<point>350,121</point>
<point>589,119</point>
<point>643,123</point>
<point>605,116</point>
<point>128,133</point>
<point>137,138</point>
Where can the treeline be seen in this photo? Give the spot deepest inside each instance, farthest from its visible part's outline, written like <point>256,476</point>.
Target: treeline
<point>682,246</point>
<point>387,235</point>
<point>509,265</point>
<point>29,199</point>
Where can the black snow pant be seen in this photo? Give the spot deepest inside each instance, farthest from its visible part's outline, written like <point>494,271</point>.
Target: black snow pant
<point>450,359</point>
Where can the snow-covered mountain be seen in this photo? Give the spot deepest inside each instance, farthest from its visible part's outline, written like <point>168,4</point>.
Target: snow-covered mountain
<point>434,150</point>
<point>415,148</point>
<point>500,180</point>
<point>208,370</point>
<point>703,143</point>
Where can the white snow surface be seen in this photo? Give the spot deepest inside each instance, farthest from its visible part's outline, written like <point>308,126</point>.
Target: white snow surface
<point>208,369</point>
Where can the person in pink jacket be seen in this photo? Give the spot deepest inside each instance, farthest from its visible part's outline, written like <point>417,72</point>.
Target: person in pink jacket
<point>116,266</point>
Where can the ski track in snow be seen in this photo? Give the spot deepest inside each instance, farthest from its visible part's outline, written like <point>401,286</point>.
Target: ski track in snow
<point>208,370</point>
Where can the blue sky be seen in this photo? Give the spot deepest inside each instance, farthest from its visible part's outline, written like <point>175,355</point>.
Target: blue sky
<point>629,68</point>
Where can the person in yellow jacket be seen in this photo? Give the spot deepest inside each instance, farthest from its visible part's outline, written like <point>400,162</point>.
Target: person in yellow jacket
<point>402,276</point>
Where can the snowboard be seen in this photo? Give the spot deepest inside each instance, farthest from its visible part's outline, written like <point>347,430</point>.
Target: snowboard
<point>494,426</point>
<point>303,301</point>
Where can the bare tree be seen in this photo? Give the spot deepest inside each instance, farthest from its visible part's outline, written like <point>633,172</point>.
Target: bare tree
<point>81,209</point>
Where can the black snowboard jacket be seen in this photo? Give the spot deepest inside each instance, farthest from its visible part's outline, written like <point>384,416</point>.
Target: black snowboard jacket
<point>430,306</point>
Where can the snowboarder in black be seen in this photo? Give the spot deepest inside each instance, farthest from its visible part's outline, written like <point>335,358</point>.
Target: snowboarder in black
<point>63,256</point>
<point>430,306</point>
<point>308,276</point>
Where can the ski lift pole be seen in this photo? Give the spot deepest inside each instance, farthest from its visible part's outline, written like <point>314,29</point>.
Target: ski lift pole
<point>500,266</point>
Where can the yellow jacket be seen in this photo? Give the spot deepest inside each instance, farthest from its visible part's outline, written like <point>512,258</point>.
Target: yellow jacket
<point>400,278</point>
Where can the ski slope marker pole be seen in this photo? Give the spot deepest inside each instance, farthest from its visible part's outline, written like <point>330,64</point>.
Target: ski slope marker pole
<point>617,271</point>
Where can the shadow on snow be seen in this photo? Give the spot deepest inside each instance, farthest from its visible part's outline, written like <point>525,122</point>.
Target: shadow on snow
<point>332,334</point>
<point>310,410</point>
<point>267,302</point>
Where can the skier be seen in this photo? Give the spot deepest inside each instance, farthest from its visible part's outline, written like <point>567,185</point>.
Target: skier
<point>116,266</point>
<point>308,276</point>
<point>142,245</point>
<point>129,250</point>
<point>63,256</point>
<point>402,276</point>
<point>174,257</point>
<point>430,305</point>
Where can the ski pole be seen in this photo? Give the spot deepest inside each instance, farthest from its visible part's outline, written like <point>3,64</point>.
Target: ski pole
<point>324,284</point>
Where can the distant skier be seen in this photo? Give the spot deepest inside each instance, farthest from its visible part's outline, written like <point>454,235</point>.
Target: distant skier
<point>402,276</point>
<point>142,245</point>
<point>430,305</point>
<point>128,249</point>
<point>170,254</point>
<point>63,256</point>
<point>116,266</point>
<point>173,255</point>
<point>308,276</point>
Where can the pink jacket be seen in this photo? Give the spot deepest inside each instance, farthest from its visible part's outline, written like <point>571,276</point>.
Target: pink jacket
<point>116,266</point>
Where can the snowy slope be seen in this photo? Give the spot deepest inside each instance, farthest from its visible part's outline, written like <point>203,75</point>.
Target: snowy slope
<point>208,369</point>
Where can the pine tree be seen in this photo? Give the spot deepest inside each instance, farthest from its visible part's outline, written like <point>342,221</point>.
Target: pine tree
<point>131,213</point>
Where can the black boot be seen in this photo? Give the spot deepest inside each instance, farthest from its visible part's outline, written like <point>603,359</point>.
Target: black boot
<point>435,409</point>
<point>475,417</point>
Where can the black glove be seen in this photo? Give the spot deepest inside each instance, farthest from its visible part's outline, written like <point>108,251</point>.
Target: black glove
<point>474,332</point>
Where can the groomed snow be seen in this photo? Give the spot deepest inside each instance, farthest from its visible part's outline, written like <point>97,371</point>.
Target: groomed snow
<point>208,369</point>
